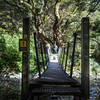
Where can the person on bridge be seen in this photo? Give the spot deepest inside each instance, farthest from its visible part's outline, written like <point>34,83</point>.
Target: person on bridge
<point>53,57</point>
<point>55,48</point>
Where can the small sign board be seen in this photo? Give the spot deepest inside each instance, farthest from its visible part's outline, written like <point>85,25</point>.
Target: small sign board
<point>23,45</point>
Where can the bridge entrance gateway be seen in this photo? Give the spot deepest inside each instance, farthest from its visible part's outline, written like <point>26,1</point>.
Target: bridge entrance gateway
<point>54,83</point>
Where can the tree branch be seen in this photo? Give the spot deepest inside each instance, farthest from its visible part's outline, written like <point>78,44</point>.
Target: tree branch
<point>12,4</point>
<point>56,23</point>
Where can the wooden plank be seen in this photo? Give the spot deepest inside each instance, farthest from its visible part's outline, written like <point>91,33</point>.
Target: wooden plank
<point>57,82</point>
<point>25,60</point>
<point>85,58</point>
<point>57,90</point>
<point>52,82</point>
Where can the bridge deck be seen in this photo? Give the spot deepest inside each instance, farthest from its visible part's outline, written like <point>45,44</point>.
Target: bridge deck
<point>55,80</point>
<point>55,74</point>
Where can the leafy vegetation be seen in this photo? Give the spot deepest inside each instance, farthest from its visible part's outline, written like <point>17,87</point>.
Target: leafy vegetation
<point>10,57</point>
<point>52,20</point>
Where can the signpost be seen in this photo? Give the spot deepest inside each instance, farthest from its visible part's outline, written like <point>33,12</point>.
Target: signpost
<point>85,58</point>
<point>24,46</point>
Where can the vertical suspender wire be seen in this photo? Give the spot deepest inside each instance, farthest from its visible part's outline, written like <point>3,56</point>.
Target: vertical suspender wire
<point>45,51</point>
<point>63,56</point>
<point>73,52</point>
<point>37,56</point>
<point>42,56</point>
<point>67,54</point>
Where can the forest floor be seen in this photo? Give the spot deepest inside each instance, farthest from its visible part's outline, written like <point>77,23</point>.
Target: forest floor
<point>10,86</point>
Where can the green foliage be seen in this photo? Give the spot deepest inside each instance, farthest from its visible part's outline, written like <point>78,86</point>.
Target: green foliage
<point>10,58</point>
<point>94,66</point>
<point>95,36</point>
<point>33,66</point>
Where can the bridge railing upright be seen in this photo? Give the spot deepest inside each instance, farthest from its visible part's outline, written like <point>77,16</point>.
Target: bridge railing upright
<point>41,55</point>
<point>67,51</point>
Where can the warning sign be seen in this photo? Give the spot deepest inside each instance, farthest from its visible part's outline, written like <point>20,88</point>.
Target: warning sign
<point>23,45</point>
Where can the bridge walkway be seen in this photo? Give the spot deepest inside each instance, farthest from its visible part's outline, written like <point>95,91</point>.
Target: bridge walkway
<point>54,80</point>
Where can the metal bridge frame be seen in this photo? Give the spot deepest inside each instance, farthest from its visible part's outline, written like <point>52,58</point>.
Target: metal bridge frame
<point>84,59</point>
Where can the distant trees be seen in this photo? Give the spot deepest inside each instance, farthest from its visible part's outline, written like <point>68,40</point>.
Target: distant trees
<point>53,20</point>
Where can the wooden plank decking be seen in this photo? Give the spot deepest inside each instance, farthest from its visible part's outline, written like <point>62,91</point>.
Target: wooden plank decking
<point>56,75</point>
<point>55,80</point>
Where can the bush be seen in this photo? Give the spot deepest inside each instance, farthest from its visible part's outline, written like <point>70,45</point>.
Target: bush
<point>10,58</point>
<point>94,66</point>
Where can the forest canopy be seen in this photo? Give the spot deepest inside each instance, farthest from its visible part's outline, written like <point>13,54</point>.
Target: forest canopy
<point>53,20</point>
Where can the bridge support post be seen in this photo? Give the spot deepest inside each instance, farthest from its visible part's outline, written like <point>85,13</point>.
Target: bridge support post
<point>25,59</point>
<point>85,58</point>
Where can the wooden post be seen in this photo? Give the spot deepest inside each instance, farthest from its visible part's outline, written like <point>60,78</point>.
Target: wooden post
<point>25,59</point>
<point>85,58</point>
